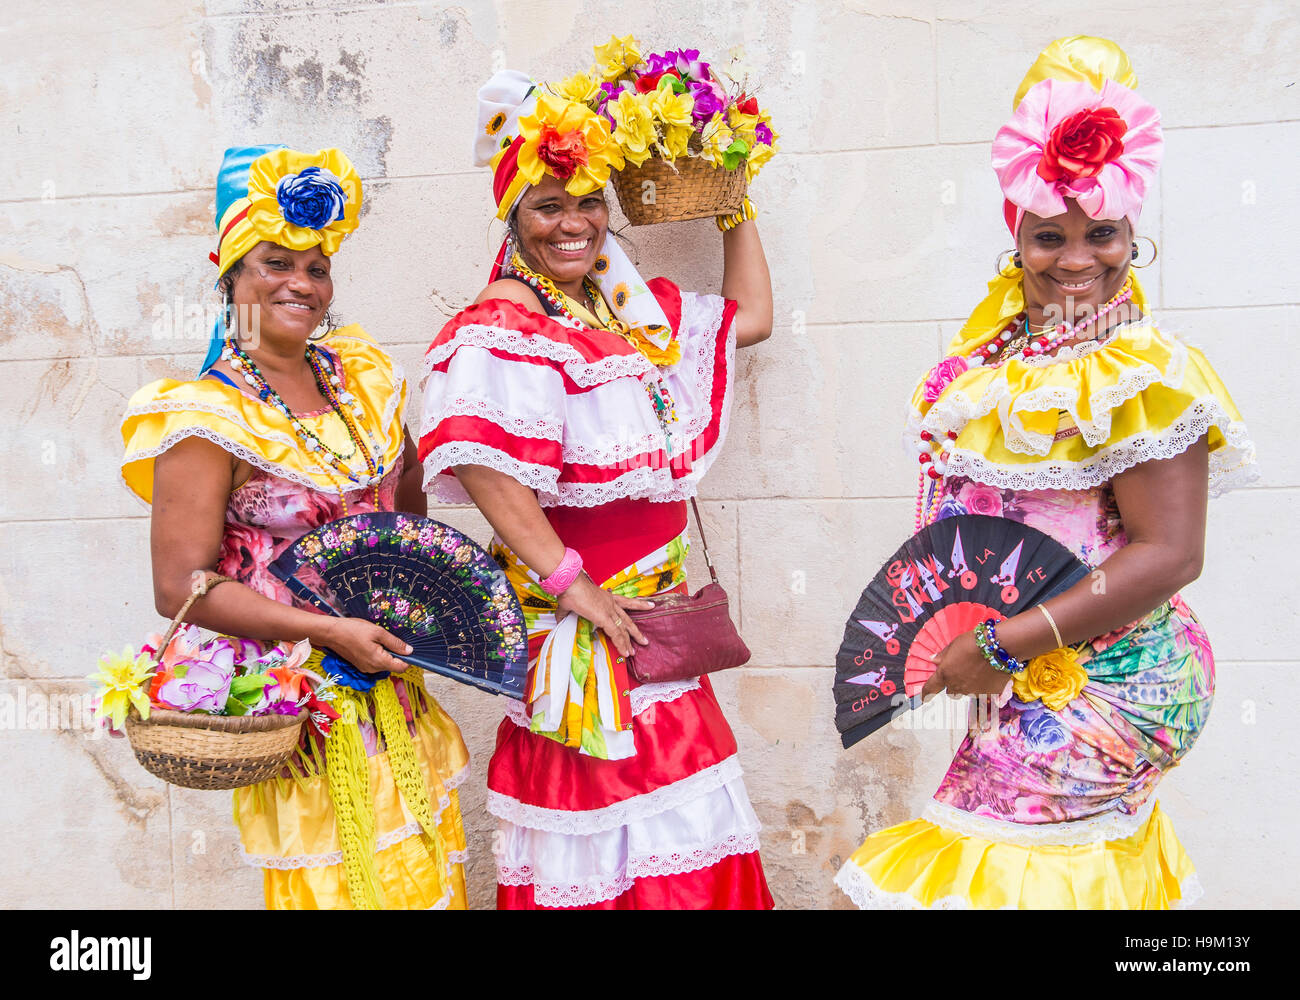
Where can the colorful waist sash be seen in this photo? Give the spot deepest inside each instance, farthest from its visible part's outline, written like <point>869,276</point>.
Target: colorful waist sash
<point>578,685</point>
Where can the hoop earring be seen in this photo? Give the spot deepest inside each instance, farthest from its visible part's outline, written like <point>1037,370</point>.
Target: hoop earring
<point>1155,251</point>
<point>227,314</point>
<point>1015,262</point>
<point>326,325</point>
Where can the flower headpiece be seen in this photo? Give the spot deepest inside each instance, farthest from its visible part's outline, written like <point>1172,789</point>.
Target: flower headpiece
<point>525,133</point>
<point>279,195</point>
<point>1078,133</point>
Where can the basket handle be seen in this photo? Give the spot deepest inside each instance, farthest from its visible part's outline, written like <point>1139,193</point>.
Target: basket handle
<point>195,593</point>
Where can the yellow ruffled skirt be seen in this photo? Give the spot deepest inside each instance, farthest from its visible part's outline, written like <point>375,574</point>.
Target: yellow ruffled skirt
<point>920,865</point>
<point>409,857</point>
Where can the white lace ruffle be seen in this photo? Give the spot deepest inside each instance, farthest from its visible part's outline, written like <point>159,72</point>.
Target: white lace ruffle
<point>234,448</point>
<point>1109,826</point>
<point>1230,466</point>
<point>641,698</point>
<point>584,373</point>
<point>866,895</point>
<point>468,406</point>
<point>599,888</point>
<point>636,453</point>
<point>630,810</point>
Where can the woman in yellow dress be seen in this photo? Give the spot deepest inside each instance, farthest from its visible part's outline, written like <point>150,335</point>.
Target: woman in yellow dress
<point>284,431</point>
<point>1062,406</point>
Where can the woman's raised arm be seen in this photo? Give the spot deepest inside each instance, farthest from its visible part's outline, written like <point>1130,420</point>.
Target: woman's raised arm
<point>745,279</point>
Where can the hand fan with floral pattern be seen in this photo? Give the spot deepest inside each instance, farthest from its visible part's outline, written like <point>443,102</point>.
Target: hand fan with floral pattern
<point>423,581</point>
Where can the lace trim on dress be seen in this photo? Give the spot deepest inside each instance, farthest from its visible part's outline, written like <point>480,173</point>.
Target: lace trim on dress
<point>238,450</point>
<point>866,895</point>
<point>705,311</point>
<point>446,456</point>
<point>467,406</point>
<point>603,887</point>
<point>225,412</point>
<point>583,372</point>
<point>574,822</point>
<point>641,697</point>
<point>1108,826</point>
<point>1230,466</point>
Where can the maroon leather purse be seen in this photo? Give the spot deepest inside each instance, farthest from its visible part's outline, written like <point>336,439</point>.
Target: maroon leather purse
<point>690,634</point>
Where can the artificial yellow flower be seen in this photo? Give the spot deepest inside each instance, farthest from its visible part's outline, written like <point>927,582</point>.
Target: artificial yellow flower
<point>123,679</point>
<point>617,56</point>
<point>718,137</point>
<point>1055,678</point>
<point>574,125</point>
<point>742,123</point>
<point>634,126</point>
<point>674,111</point>
<point>581,87</point>
<point>759,154</point>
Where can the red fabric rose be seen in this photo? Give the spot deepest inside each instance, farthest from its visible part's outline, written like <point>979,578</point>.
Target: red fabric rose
<point>563,152</point>
<point>645,84</point>
<point>747,105</point>
<point>1082,144</point>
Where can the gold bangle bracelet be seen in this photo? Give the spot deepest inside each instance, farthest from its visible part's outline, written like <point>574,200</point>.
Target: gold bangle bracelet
<point>1052,622</point>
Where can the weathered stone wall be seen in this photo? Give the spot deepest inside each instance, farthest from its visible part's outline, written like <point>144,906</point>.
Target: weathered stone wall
<point>881,219</point>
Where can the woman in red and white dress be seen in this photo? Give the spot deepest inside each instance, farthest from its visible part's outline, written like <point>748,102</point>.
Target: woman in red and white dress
<point>579,407</point>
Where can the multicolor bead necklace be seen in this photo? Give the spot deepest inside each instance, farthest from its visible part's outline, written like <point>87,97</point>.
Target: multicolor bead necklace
<point>661,400</point>
<point>992,354</point>
<point>345,404</point>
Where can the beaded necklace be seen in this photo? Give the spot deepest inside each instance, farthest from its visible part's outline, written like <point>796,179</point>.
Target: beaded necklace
<point>661,400</point>
<point>344,404</point>
<point>991,354</point>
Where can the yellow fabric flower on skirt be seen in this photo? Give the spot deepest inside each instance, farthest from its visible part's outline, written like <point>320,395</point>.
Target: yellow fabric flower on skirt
<point>634,126</point>
<point>1055,678</point>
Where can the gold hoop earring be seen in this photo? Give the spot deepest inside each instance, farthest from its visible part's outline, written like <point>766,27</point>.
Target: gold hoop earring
<point>1015,262</point>
<point>1155,251</point>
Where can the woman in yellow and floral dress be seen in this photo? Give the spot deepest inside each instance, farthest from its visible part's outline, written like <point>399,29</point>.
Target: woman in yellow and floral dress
<point>1063,407</point>
<point>282,432</point>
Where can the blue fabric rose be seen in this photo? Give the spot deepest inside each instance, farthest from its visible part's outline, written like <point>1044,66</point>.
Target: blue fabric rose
<point>1042,730</point>
<point>312,199</point>
<point>347,674</point>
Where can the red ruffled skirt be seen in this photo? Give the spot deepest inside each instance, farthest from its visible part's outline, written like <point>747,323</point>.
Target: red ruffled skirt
<point>670,828</point>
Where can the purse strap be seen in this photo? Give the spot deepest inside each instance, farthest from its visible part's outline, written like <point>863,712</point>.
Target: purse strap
<point>700,524</point>
<point>195,593</point>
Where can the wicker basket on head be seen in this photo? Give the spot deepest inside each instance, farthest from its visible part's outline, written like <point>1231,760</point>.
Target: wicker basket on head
<point>211,751</point>
<point>688,188</point>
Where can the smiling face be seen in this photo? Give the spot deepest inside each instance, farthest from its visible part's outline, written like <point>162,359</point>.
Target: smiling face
<point>1072,264</point>
<point>290,291</point>
<point>561,235</point>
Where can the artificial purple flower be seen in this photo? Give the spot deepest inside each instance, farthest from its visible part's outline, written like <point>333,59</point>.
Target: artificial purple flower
<point>707,101</point>
<point>205,686</point>
<point>688,63</point>
<point>659,62</point>
<point>763,134</point>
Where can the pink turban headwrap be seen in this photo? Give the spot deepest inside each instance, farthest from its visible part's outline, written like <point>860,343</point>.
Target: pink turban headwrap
<point>1093,140</point>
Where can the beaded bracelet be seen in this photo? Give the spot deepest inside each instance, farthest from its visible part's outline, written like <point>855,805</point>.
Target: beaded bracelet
<point>729,222</point>
<point>986,637</point>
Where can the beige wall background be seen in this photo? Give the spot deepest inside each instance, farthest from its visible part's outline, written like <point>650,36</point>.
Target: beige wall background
<point>881,218</point>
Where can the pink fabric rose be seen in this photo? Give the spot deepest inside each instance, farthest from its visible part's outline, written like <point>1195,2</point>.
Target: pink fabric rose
<point>941,374</point>
<point>980,499</point>
<point>205,686</point>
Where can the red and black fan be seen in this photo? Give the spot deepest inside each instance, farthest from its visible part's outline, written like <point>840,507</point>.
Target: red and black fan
<point>945,580</point>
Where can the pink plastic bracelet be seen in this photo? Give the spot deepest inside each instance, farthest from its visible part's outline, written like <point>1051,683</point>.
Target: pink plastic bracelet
<point>565,573</point>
